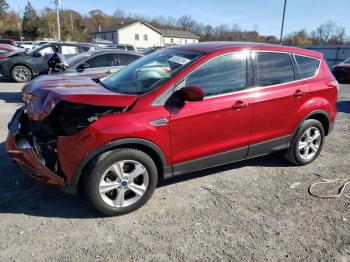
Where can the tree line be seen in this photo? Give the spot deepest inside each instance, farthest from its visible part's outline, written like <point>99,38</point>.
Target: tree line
<point>32,24</point>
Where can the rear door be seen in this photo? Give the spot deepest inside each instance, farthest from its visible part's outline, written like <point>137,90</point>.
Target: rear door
<point>216,130</point>
<point>279,96</point>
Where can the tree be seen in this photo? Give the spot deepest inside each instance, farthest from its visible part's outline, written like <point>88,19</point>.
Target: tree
<point>298,38</point>
<point>30,24</point>
<point>3,7</point>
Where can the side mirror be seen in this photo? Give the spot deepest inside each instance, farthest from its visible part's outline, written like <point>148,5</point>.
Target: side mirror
<point>36,54</point>
<point>191,93</point>
<point>82,67</point>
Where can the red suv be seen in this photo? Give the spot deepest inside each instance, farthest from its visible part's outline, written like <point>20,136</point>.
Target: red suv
<point>175,111</point>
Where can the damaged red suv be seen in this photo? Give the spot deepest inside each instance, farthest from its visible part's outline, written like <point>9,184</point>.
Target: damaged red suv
<point>175,111</point>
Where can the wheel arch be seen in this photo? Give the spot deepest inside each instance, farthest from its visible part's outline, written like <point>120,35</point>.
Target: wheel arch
<point>164,171</point>
<point>321,116</point>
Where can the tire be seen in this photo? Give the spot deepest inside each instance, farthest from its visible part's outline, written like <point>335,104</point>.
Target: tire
<point>302,150</point>
<point>113,194</point>
<point>21,74</point>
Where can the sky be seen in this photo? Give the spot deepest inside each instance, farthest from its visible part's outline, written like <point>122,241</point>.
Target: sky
<point>263,15</point>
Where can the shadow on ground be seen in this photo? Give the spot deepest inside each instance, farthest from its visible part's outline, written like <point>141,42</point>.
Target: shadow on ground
<point>19,196</point>
<point>343,107</point>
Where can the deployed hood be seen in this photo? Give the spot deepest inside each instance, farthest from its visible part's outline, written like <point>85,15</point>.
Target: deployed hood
<point>45,92</point>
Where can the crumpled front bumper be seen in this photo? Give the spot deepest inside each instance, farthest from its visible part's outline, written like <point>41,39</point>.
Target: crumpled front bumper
<point>24,155</point>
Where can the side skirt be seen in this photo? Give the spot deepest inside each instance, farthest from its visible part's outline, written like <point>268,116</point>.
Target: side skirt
<point>233,155</point>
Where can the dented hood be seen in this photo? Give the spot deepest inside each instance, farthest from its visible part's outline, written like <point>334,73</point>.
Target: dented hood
<point>45,92</point>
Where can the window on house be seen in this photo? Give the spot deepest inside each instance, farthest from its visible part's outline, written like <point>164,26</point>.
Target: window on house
<point>185,41</point>
<point>137,37</point>
<point>172,40</point>
<point>145,37</point>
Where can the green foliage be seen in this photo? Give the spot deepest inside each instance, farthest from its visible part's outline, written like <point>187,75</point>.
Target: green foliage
<point>30,23</point>
<point>3,7</point>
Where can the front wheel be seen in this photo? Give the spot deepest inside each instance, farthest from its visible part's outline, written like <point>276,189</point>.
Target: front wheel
<point>121,181</point>
<point>21,74</point>
<point>306,143</point>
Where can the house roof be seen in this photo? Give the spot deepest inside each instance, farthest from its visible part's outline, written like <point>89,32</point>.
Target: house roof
<point>163,32</point>
<point>177,33</point>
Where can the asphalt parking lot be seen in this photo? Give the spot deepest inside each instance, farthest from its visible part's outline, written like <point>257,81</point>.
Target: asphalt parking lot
<point>258,209</point>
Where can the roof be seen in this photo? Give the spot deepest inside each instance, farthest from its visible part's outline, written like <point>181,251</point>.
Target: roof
<point>163,32</point>
<point>178,33</point>
<point>210,47</point>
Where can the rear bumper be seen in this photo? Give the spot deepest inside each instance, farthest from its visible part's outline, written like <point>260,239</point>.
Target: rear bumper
<point>25,157</point>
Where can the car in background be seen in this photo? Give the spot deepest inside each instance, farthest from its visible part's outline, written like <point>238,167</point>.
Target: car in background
<point>152,49</point>
<point>8,42</point>
<point>99,63</point>
<point>5,50</point>
<point>119,46</point>
<point>25,44</point>
<point>342,71</point>
<point>22,66</point>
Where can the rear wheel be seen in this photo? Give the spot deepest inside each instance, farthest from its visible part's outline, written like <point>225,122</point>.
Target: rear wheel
<point>306,143</point>
<point>21,74</point>
<point>121,181</point>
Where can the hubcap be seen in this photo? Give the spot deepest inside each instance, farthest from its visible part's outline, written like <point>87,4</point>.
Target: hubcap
<point>123,183</point>
<point>309,143</point>
<point>21,74</point>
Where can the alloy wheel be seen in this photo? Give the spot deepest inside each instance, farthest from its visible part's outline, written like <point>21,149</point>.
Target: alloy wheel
<point>309,143</point>
<point>123,183</point>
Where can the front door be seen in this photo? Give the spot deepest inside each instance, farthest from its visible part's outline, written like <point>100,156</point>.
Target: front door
<point>216,130</point>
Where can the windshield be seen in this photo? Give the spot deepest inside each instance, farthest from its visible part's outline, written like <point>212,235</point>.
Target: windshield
<point>346,61</point>
<point>149,72</point>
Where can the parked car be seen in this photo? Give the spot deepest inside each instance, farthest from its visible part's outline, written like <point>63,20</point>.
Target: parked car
<point>99,63</point>
<point>342,71</point>
<point>119,46</point>
<point>152,49</point>
<point>178,110</point>
<point>25,44</point>
<point>8,42</point>
<point>5,49</point>
<point>22,66</point>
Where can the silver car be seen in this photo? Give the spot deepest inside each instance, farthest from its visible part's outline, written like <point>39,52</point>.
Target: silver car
<point>99,63</point>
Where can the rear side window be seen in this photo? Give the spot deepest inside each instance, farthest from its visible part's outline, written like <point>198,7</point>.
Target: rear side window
<point>222,75</point>
<point>274,68</point>
<point>307,66</point>
<point>125,59</point>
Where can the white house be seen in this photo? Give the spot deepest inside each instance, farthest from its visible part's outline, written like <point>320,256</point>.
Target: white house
<point>142,34</point>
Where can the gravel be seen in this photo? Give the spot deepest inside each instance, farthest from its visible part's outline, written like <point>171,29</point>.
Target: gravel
<point>258,209</point>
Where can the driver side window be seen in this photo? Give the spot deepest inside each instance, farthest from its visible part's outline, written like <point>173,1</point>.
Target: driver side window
<point>224,74</point>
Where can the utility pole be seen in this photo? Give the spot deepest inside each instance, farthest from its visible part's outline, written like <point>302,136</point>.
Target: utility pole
<point>284,13</point>
<point>57,3</point>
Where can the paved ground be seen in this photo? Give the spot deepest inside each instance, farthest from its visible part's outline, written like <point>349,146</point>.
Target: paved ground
<point>244,211</point>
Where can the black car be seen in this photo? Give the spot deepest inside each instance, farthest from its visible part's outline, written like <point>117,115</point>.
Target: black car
<point>342,71</point>
<point>99,63</point>
<point>22,66</point>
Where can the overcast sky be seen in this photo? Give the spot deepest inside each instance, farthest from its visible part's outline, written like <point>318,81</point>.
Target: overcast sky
<point>264,15</point>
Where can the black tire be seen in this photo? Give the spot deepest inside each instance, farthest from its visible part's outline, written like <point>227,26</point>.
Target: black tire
<point>293,154</point>
<point>21,74</point>
<point>102,164</point>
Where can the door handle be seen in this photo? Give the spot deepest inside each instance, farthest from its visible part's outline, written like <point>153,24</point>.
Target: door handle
<point>299,93</point>
<point>239,104</point>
